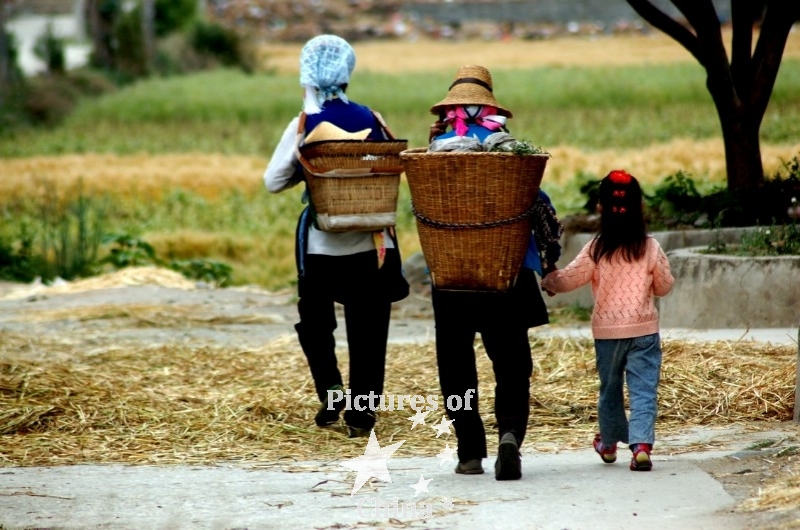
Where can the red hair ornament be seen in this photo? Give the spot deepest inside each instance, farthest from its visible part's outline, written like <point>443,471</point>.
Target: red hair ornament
<point>619,176</point>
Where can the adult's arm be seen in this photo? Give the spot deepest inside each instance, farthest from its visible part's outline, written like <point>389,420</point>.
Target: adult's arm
<point>283,170</point>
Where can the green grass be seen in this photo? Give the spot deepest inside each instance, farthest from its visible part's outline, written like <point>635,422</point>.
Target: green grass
<point>229,112</point>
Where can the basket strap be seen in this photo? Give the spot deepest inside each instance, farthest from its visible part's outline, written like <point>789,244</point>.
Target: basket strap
<point>383,124</point>
<point>301,127</point>
<point>462,226</point>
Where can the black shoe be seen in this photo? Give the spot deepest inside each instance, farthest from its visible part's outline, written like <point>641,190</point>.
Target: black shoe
<point>359,423</point>
<point>470,467</point>
<point>508,465</point>
<point>326,417</point>
<point>355,432</point>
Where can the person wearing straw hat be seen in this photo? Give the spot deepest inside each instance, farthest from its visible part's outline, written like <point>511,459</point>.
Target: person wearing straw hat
<point>360,270</point>
<point>472,114</point>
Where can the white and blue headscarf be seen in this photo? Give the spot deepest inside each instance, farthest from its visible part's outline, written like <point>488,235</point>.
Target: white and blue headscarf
<point>326,63</point>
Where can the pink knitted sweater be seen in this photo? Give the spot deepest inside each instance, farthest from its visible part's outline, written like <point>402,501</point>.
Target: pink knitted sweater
<point>623,292</point>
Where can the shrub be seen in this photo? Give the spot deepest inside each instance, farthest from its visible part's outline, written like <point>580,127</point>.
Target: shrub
<point>207,270</point>
<point>48,100</point>
<point>53,235</point>
<point>776,240</point>
<point>18,262</point>
<point>173,15</point>
<point>764,205</point>
<point>217,43</point>
<point>89,82</point>
<point>129,251</point>
<point>676,202</point>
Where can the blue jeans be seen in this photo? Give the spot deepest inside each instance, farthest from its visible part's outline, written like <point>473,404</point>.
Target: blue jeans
<point>636,361</point>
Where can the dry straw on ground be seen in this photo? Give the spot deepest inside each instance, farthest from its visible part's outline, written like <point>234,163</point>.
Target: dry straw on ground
<point>122,278</point>
<point>181,404</point>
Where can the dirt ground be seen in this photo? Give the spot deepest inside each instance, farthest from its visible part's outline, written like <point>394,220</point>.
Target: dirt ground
<point>98,313</point>
<point>745,474</point>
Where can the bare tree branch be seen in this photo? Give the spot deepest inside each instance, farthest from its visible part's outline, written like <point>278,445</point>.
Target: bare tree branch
<point>778,20</point>
<point>703,17</point>
<point>668,25</point>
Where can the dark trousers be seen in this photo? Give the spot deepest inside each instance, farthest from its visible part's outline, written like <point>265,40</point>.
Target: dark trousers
<point>503,320</point>
<point>356,283</point>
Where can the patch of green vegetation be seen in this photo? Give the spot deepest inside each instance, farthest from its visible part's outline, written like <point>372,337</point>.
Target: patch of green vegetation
<point>228,111</point>
<point>521,147</point>
<point>678,202</point>
<point>761,444</point>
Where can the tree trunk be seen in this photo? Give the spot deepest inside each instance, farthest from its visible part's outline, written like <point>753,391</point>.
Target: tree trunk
<point>740,122</point>
<point>5,59</point>
<point>101,33</point>
<point>742,151</point>
<point>148,34</point>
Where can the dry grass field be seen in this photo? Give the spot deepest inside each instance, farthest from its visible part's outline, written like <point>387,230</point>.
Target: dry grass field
<point>573,51</point>
<point>148,177</point>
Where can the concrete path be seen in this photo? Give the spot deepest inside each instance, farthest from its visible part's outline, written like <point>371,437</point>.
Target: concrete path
<point>571,490</point>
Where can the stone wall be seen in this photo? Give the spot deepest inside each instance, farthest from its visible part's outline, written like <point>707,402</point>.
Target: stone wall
<point>722,292</point>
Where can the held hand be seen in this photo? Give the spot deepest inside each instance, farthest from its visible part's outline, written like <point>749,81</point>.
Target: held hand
<point>548,268</point>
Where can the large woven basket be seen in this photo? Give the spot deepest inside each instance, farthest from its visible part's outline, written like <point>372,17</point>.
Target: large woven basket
<point>473,214</point>
<point>353,183</point>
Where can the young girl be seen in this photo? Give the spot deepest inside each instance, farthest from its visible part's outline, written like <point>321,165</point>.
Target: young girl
<point>627,269</point>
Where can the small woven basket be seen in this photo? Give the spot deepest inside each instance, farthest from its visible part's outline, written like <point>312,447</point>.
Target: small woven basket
<point>473,214</point>
<point>353,183</point>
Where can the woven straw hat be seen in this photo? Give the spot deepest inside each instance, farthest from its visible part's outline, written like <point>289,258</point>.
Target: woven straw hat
<point>328,131</point>
<point>472,86</point>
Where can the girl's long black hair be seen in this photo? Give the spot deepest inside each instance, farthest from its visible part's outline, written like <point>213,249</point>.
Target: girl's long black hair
<point>622,226</point>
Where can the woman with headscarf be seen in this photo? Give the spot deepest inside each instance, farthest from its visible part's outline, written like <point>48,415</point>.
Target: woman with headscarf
<point>360,270</point>
<point>476,122</point>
